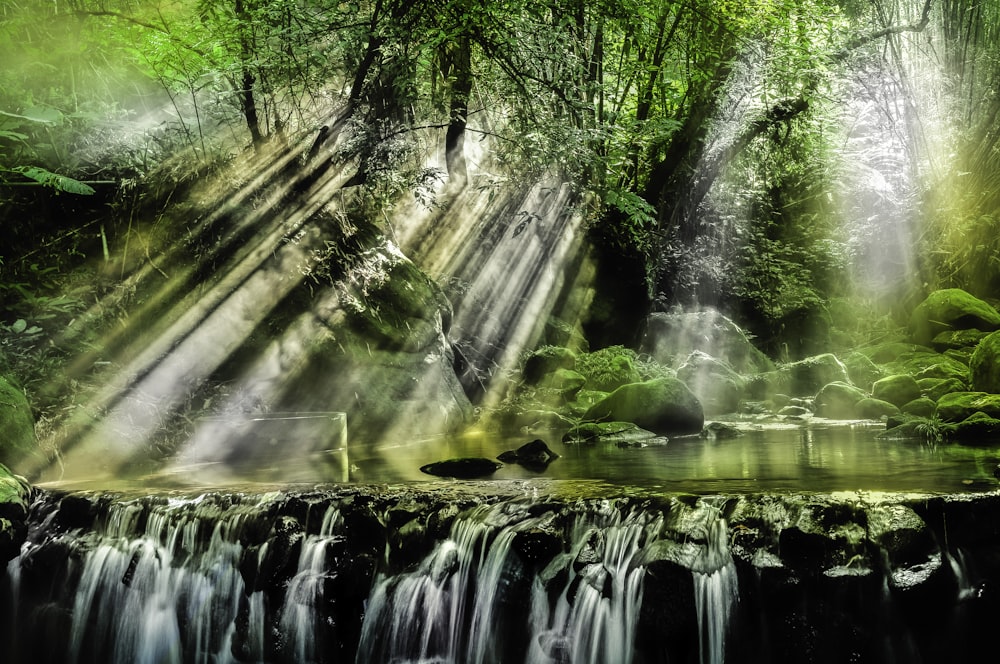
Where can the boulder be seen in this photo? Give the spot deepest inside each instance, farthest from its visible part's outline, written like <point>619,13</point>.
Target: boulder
<point>928,364</point>
<point>462,468</point>
<point>898,389</point>
<point>935,388</point>
<point>566,382</point>
<point>669,337</point>
<point>717,386</point>
<point>978,428</point>
<point>809,375</point>
<point>951,309</point>
<point>608,432</point>
<point>922,407</point>
<point>17,425</point>
<point>875,409</point>
<point>664,406</point>
<point>957,340</point>
<point>984,367</point>
<point>862,371</point>
<point>838,401</point>
<point>958,406</point>
<point>15,497</point>
<point>535,455</point>
<point>547,360</point>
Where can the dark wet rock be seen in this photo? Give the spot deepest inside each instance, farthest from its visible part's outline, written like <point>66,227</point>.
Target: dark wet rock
<point>538,545</point>
<point>718,387</point>
<point>16,424</point>
<point>547,360</point>
<point>958,406</point>
<point>665,406</point>
<point>720,431</point>
<point>935,388</point>
<point>462,468</point>
<point>897,389</point>
<point>862,371</point>
<point>838,401</point>
<point>978,428</point>
<point>590,433</point>
<point>984,367</point>
<point>669,337</point>
<point>956,340</point>
<point>534,455</point>
<point>951,309</point>
<point>875,409</point>
<point>922,407</point>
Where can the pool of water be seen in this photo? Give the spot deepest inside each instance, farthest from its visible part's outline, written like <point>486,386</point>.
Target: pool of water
<point>817,455</point>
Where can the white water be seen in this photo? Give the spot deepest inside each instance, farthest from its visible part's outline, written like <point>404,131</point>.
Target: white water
<point>715,593</point>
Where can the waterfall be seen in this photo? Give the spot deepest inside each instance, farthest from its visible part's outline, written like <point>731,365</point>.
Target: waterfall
<point>348,574</point>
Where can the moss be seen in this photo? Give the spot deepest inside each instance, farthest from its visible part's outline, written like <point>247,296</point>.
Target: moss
<point>839,401</point>
<point>898,389</point>
<point>951,309</point>
<point>664,406</point>
<point>17,425</point>
<point>958,406</point>
<point>984,366</point>
<point>875,409</point>
<point>609,368</point>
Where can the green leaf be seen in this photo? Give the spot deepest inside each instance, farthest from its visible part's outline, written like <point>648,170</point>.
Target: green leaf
<point>19,326</point>
<point>50,179</point>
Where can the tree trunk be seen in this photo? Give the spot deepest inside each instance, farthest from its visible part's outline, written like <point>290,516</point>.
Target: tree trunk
<point>458,61</point>
<point>247,101</point>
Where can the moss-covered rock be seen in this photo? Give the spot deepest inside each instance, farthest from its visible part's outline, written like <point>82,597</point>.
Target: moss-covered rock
<point>875,409</point>
<point>664,406</point>
<point>897,390</point>
<point>546,360</point>
<point>951,309</point>
<point>978,428</point>
<point>17,425</point>
<point>984,366</point>
<point>862,371</point>
<point>809,375</point>
<point>928,364</point>
<point>589,433</point>
<point>890,351</point>
<point>715,383</point>
<point>957,340</point>
<point>609,368</point>
<point>838,401</point>
<point>922,407</point>
<point>15,496</point>
<point>958,406</point>
<point>566,382</point>
<point>935,388</point>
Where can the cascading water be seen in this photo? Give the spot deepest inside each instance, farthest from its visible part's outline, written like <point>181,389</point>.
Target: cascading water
<point>397,575</point>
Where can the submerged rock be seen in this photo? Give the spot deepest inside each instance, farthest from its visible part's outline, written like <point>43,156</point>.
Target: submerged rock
<point>608,432</point>
<point>664,406</point>
<point>463,468</point>
<point>535,455</point>
<point>951,309</point>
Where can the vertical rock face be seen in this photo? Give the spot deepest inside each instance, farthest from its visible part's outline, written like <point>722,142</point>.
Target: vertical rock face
<point>437,575</point>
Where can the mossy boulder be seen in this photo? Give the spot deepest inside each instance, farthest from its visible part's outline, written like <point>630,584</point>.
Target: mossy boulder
<point>665,406</point>
<point>951,309</point>
<point>957,340</point>
<point>984,367</point>
<point>566,382</point>
<point>547,360</point>
<point>922,407</point>
<point>15,497</point>
<point>875,409</point>
<point>862,371</point>
<point>976,428</point>
<point>935,388</point>
<point>609,368</point>
<point>715,383</point>
<point>890,351</point>
<point>928,364</point>
<point>616,433</point>
<point>959,406</point>
<point>17,424</point>
<point>897,390</point>
<point>838,401</point>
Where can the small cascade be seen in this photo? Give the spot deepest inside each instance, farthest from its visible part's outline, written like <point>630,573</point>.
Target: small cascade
<point>716,590</point>
<point>380,576</point>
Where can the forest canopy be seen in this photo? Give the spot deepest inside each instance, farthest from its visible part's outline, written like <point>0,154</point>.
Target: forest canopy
<point>763,157</point>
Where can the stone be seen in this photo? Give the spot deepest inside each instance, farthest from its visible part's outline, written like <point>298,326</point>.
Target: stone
<point>862,371</point>
<point>935,388</point>
<point>958,406</point>
<point>978,428</point>
<point>875,409</point>
<point>794,411</point>
<point>838,401</point>
<point>922,407</point>
<point>566,382</point>
<point>957,340</point>
<point>715,383</point>
<point>670,337</point>
<point>546,360</point>
<point>535,455</point>
<point>984,367</point>
<point>720,431</point>
<point>897,389</point>
<point>928,364</point>
<point>17,424</point>
<point>951,309</point>
<point>665,406</point>
<point>607,432</point>
<point>462,468</point>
